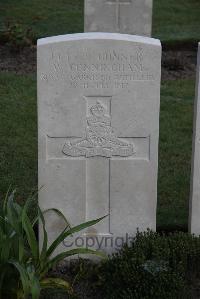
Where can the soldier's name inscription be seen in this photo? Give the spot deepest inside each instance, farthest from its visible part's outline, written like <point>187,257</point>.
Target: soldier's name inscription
<point>103,70</point>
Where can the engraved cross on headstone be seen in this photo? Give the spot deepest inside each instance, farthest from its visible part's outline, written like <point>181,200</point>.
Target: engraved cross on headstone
<point>118,4</point>
<point>99,144</point>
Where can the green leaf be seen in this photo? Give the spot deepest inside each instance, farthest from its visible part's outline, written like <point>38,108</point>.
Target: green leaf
<point>35,288</point>
<point>23,276</point>
<point>71,231</point>
<point>21,249</point>
<point>30,235</point>
<point>33,282</point>
<point>45,238</point>
<point>6,200</point>
<point>35,220</point>
<point>59,283</point>
<point>31,199</point>
<point>5,250</point>
<point>60,214</point>
<point>3,223</point>
<point>12,214</point>
<point>2,275</point>
<point>31,202</point>
<point>69,253</point>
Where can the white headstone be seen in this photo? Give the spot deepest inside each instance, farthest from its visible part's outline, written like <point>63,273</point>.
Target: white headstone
<point>123,16</point>
<point>194,218</point>
<point>98,105</point>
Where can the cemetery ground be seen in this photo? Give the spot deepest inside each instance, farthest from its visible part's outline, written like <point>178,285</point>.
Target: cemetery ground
<point>177,24</point>
<point>18,164</point>
<point>172,20</point>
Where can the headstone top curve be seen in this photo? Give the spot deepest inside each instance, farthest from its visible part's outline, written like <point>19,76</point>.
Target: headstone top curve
<point>98,36</point>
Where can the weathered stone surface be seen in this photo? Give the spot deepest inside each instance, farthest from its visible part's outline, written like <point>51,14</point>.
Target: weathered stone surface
<point>124,16</point>
<point>98,113</point>
<point>194,218</point>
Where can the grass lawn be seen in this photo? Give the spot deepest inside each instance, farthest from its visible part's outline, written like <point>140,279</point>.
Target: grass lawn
<point>176,20</point>
<point>176,122</point>
<point>18,133</point>
<point>172,20</point>
<point>18,139</point>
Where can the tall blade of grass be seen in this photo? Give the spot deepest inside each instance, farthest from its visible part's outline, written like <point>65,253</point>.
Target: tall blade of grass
<point>30,234</point>
<point>17,208</point>
<point>21,249</point>
<point>45,239</point>
<point>14,212</point>
<point>71,231</point>
<point>6,200</point>
<point>11,213</point>
<point>31,199</point>
<point>31,207</point>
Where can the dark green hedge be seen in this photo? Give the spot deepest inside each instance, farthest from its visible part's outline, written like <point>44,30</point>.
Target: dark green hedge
<point>155,266</point>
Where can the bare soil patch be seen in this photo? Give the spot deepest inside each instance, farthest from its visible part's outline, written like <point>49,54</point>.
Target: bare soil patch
<point>178,64</point>
<point>19,62</point>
